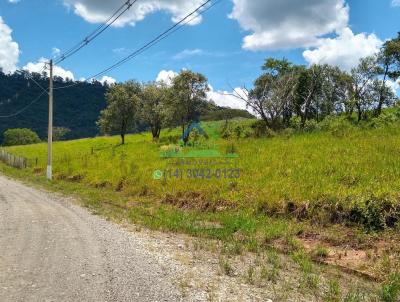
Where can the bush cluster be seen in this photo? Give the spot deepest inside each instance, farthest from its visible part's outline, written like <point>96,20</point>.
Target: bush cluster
<point>337,125</point>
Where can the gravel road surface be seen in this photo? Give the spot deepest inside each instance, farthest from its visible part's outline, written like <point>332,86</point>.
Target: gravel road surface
<point>53,250</point>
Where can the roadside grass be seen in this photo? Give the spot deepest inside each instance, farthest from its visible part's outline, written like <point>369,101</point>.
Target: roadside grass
<point>277,174</point>
<point>289,185</point>
<point>316,175</point>
<point>234,231</point>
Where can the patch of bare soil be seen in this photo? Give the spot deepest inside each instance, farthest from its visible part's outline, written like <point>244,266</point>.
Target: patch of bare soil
<point>367,260</point>
<point>197,201</point>
<point>206,272</point>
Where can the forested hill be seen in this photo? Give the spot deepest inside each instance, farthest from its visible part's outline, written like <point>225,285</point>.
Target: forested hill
<point>76,108</point>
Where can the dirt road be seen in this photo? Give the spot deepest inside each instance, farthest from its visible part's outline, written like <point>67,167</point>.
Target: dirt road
<point>52,250</point>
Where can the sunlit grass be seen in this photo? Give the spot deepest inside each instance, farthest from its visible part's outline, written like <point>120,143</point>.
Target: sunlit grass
<point>248,213</point>
<point>301,168</point>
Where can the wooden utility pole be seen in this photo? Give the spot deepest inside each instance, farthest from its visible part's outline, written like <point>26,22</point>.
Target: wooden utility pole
<point>50,129</point>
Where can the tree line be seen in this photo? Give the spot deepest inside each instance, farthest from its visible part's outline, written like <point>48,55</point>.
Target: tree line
<point>286,91</point>
<point>155,104</point>
<point>76,108</point>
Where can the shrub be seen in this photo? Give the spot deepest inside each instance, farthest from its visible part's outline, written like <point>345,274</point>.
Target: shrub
<point>59,133</point>
<point>239,130</point>
<point>20,136</point>
<point>287,132</point>
<point>391,289</point>
<point>310,125</point>
<point>226,131</point>
<point>295,123</point>
<point>386,118</point>
<point>375,214</point>
<point>338,126</point>
<point>260,129</point>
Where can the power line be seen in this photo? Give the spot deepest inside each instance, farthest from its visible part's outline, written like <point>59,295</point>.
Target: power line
<point>149,44</point>
<point>25,108</point>
<point>169,33</point>
<point>68,86</point>
<point>178,25</point>
<point>37,84</point>
<point>28,77</point>
<point>111,20</point>
<point>96,32</point>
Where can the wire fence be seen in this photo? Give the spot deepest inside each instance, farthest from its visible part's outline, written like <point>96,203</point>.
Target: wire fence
<point>13,160</point>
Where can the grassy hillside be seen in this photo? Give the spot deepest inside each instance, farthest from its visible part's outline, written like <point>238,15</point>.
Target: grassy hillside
<point>76,108</point>
<point>290,173</point>
<point>297,192</point>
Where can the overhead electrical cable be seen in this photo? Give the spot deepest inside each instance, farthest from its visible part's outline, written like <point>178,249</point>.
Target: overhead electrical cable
<point>25,108</point>
<point>111,20</point>
<point>149,44</point>
<point>29,78</point>
<point>178,25</point>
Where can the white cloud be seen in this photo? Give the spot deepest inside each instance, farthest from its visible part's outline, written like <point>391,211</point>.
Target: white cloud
<point>394,85</point>
<point>188,53</point>
<point>96,11</point>
<point>106,80</point>
<point>221,98</point>
<point>9,49</point>
<point>55,51</point>
<point>288,24</point>
<point>122,51</point>
<point>57,71</point>
<point>13,1</point>
<point>166,76</point>
<point>395,3</point>
<point>226,99</point>
<point>345,50</point>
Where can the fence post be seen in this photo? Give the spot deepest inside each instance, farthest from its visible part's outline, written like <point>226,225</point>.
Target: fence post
<point>13,160</point>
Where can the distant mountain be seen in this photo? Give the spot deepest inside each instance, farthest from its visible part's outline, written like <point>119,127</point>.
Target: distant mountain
<point>76,107</point>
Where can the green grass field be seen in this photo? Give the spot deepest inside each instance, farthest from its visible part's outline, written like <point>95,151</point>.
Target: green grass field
<point>313,177</point>
<point>291,184</point>
<point>302,169</point>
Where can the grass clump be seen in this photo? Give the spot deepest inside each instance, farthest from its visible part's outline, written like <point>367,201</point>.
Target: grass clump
<point>390,291</point>
<point>334,293</point>
<point>226,267</point>
<point>320,252</point>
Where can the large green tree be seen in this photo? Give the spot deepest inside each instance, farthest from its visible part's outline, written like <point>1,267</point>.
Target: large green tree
<point>189,96</point>
<point>388,61</point>
<point>322,90</point>
<point>20,136</point>
<point>120,116</point>
<point>154,110</point>
<point>273,93</point>
<point>369,90</point>
<point>363,77</point>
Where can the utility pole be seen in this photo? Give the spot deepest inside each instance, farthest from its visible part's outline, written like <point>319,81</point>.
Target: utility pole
<point>50,129</point>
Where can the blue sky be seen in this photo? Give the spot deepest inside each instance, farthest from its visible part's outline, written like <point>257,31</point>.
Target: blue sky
<point>336,32</point>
